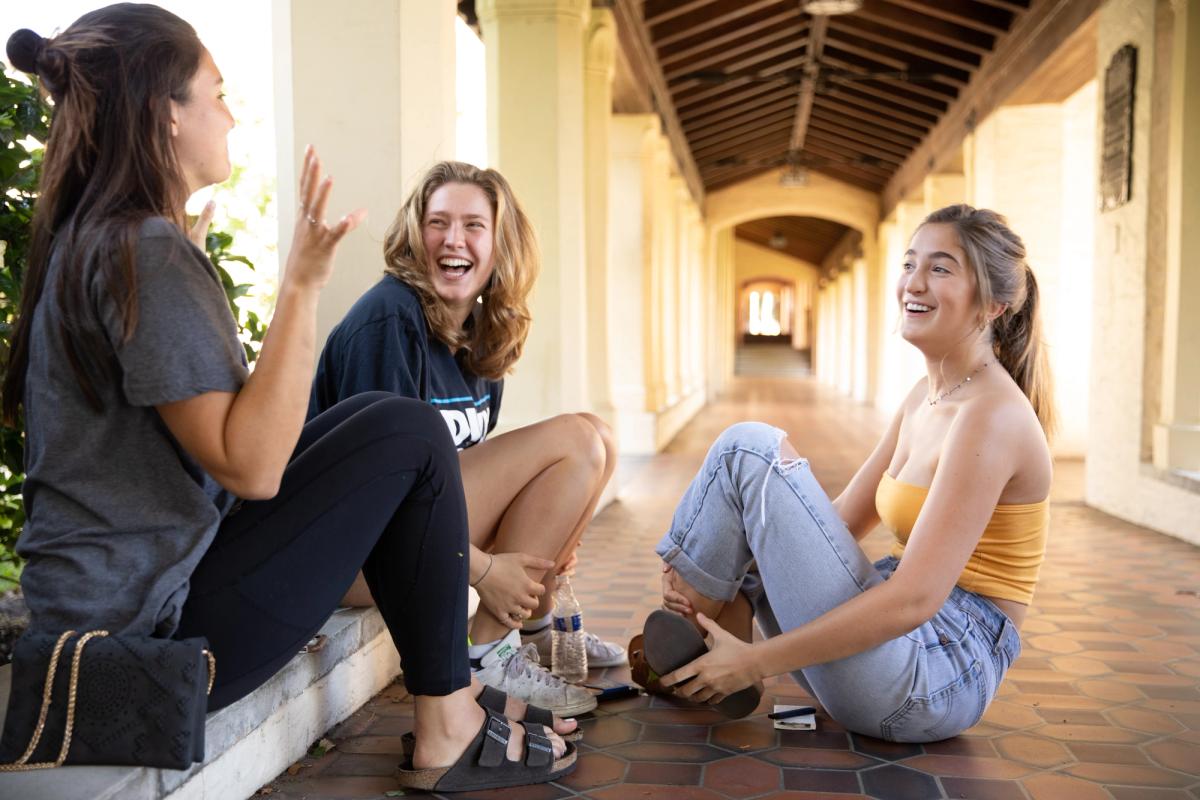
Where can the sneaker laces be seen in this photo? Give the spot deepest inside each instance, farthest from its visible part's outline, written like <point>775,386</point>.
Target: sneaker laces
<point>594,642</point>
<point>524,663</point>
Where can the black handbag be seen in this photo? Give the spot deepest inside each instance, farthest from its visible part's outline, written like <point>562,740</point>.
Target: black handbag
<point>101,699</point>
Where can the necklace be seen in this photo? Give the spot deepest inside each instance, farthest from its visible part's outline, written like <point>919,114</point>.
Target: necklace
<point>958,385</point>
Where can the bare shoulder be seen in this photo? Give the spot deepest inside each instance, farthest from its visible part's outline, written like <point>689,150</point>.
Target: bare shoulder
<point>1005,424</point>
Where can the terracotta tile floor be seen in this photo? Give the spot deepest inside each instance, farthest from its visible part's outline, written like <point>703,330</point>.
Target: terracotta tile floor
<point>1103,703</point>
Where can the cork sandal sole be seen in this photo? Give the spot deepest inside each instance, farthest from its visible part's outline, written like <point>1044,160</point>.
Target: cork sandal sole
<point>670,641</point>
<point>484,763</point>
<point>495,700</point>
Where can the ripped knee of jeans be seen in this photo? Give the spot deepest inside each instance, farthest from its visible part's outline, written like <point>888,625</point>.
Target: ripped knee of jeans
<point>784,466</point>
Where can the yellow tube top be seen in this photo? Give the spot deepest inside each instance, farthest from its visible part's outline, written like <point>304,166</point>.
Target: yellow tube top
<point>1006,561</point>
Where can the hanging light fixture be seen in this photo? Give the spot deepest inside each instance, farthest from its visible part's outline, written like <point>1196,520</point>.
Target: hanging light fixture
<point>777,240</point>
<point>831,7</point>
<point>793,176</point>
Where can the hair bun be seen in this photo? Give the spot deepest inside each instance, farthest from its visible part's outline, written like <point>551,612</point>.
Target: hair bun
<point>25,47</point>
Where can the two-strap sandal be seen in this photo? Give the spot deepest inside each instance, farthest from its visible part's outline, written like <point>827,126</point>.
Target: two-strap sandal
<point>485,764</point>
<point>494,700</point>
<point>670,641</point>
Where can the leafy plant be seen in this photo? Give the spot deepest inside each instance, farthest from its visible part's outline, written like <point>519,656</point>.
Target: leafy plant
<point>24,126</point>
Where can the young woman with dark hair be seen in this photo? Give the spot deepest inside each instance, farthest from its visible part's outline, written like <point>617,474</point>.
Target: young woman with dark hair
<point>170,492</point>
<point>913,647</point>
<point>445,324</point>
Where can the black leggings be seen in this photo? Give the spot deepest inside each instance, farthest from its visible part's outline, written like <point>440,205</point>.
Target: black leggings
<point>374,484</point>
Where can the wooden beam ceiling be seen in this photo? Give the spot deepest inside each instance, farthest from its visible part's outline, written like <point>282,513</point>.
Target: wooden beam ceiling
<point>809,239</point>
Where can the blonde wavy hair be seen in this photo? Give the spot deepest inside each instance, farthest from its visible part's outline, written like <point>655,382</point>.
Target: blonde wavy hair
<point>1002,275</point>
<point>495,341</point>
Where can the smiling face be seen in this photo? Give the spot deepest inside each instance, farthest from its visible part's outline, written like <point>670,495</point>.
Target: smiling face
<point>457,233</point>
<point>200,127</point>
<point>936,291</point>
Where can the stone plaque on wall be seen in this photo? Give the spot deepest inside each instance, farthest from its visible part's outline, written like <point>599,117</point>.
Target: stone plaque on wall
<point>1116,157</point>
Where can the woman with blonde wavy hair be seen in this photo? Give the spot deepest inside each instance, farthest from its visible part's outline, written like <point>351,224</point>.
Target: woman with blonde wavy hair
<point>445,324</point>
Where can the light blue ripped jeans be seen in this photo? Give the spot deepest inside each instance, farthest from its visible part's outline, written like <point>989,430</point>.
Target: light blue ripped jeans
<point>748,507</point>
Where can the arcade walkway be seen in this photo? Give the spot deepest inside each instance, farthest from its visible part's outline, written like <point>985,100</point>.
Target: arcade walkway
<point>1103,703</point>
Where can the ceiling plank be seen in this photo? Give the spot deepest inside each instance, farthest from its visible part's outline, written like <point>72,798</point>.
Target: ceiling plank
<point>855,108</point>
<point>732,115</point>
<point>871,34</point>
<point>854,95</point>
<point>737,137</point>
<point>669,56</point>
<point>876,145</point>
<point>788,36</point>
<point>1018,6</point>
<point>690,25</point>
<point>635,41</point>
<point>901,144</point>
<point>927,27</point>
<point>692,91</point>
<point>744,125</point>
<point>830,138</point>
<point>902,90</point>
<point>992,21</point>
<point>654,12</point>
<point>866,128</point>
<point>1032,40</point>
<point>774,133</point>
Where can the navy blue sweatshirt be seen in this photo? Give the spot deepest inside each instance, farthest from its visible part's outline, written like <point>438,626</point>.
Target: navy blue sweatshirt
<point>384,344</point>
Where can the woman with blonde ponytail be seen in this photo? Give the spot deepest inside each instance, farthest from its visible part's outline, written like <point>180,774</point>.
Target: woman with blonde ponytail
<point>913,647</point>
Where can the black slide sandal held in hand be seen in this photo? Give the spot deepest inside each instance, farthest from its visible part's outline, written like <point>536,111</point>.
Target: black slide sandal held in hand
<point>670,641</point>
<point>485,765</point>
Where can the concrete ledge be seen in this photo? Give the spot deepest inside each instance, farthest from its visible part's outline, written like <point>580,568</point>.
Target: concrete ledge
<point>250,742</point>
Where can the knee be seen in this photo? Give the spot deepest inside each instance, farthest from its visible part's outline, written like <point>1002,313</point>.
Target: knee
<point>605,431</point>
<point>580,441</point>
<point>413,418</point>
<point>757,436</point>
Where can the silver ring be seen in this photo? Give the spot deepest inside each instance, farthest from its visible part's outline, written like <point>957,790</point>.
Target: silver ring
<point>515,617</point>
<point>311,220</point>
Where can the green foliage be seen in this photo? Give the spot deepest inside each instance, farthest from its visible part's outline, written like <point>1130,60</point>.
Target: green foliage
<point>24,127</point>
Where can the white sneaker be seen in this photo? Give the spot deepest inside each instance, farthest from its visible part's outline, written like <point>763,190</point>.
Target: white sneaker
<point>599,652</point>
<point>514,669</point>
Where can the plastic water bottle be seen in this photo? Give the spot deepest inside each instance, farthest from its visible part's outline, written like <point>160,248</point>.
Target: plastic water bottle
<point>568,655</point>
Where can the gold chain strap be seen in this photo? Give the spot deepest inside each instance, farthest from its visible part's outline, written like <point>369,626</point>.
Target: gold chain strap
<point>20,764</point>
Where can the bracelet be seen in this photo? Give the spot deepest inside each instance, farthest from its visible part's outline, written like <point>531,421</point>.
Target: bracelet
<point>491,559</point>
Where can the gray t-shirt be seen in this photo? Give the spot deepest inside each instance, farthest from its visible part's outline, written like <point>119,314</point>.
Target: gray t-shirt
<point>118,515</point>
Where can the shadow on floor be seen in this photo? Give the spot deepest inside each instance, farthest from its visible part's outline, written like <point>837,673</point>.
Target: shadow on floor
<point>1103,704</point>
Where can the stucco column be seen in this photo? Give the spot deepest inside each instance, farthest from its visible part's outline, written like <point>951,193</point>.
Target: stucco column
<point>535,89</point>
<point>631,217</point>
<point>659,226</point>
<point>943,189</point>
<point>376,132</point>
<point>1177,437</point>
<point>599,61</point>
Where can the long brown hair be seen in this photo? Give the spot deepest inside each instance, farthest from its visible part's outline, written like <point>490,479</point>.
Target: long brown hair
<point>494,342</point>
<point>109,165</point>
<point>1002,275</point>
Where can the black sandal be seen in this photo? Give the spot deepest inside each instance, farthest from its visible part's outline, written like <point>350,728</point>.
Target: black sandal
<point>494,700</point>
<point>671,641</point>
<point>485,765</point>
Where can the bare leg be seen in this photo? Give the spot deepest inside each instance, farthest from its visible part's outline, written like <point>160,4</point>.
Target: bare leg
<point>531,491</point>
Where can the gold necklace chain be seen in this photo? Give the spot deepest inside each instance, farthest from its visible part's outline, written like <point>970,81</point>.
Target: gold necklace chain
<point>957,386</point>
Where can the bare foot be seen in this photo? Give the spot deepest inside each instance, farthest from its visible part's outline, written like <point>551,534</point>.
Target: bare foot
<point>446,725</point>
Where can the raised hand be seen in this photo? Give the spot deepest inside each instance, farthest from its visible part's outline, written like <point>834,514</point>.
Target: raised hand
<point>310,262</point>
<point>199,232</point>
<point>506,589</point>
